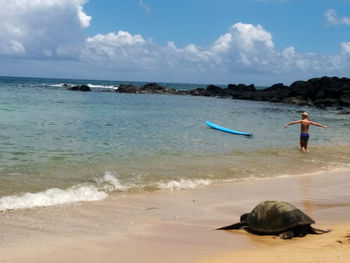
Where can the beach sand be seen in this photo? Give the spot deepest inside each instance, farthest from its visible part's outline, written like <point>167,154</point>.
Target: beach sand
<point>179,226</point>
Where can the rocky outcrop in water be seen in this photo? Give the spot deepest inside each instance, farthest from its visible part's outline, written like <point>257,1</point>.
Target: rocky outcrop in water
<point>320,92</point>
<point>150,88</point>
<point>232,90</point>
<point>79,87</point>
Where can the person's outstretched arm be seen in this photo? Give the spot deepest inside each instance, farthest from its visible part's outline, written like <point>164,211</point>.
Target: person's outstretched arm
<point>318,124</point>
<point>291,123</point>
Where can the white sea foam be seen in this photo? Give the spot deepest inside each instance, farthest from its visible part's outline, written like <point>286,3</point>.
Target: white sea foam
<point>102,86</point>
<point>183,184</point>
<point>52,197</point>
<point>110,182</point>
<point>57,85</point>
<point>55,196</point>
<point>90,86</point>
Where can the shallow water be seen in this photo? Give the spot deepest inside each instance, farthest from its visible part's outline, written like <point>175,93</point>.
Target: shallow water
<point>54,138</point>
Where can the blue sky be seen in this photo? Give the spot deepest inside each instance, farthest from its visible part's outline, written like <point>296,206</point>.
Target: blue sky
<point>200,41</point>
<point>201,21</point>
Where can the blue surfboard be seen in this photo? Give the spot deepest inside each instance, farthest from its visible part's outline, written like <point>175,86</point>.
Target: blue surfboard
<point>220,128</point>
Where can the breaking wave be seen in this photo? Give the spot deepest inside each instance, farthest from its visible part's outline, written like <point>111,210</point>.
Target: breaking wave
<point>92,86</point>
<point>103,86</point>
<point>52,197</point>
<point>95,191</point>
<point>183,184</point>
<point>55,196</point>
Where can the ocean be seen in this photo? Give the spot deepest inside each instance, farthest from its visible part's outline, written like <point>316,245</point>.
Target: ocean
<point>60,147</point>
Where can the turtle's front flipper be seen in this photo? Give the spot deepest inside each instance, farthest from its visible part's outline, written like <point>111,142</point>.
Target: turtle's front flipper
<point>234,226</point>
<point>286,235</point>
<point>319,231</point>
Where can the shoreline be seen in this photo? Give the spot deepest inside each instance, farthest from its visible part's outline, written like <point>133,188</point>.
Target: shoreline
<point>179,226</point>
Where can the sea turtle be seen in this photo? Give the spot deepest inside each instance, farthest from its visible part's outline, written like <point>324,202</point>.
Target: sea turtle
<point>276,218</point>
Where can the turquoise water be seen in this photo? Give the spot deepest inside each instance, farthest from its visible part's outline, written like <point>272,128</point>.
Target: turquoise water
<point>52,138</point>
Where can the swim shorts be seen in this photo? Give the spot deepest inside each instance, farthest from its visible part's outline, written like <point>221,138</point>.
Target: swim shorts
<point>304,137</point>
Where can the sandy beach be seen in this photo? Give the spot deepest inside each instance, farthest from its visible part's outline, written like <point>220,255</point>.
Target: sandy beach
<point>131,131</point>
<point>179,226</point>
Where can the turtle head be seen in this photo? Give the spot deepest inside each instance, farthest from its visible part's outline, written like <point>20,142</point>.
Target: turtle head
<point>244,217</point>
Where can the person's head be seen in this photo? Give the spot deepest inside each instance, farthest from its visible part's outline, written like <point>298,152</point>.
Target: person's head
<point>304,115</point>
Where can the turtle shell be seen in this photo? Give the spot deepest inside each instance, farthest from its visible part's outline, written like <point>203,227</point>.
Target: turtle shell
<point>276,216</point>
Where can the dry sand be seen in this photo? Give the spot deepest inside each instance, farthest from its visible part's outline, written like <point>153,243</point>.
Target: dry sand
<point>180,226</point>
<point>333,247</point>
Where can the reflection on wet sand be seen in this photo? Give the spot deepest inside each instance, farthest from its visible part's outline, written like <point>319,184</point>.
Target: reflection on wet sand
<point>306,183</point>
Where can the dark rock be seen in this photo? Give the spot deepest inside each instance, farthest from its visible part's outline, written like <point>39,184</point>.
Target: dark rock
<point>80,88</point>
<point>344,101</point>
<point>320,92</point>
<point>149,88</point>
<point>240,91</point>
<point>197,92</point>
<point>277,87</point>
<point>214,91</point>
<point>241,87</point>
<point>152,88</point>
<point>126,88</point>
<point>326,102</point>
<point>298,88</point>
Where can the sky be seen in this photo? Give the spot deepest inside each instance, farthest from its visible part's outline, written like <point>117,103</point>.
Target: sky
<point>184,41</point>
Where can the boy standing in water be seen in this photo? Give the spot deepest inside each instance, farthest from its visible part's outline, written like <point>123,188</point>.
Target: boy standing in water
<point>305,124</point>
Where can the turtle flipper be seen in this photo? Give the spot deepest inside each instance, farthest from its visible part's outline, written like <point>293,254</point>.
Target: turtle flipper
<point>317,231</point>
<point>286,235</point>
<point>234,226</point>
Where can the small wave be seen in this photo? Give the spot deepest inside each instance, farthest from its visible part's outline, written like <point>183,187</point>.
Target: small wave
<point>52,197</point>
<point>102,86</point>
<point>114,87</point>
<point>55,196</point>
<point>183,184</point>
<point>60,85</point>
<point>110,182</point>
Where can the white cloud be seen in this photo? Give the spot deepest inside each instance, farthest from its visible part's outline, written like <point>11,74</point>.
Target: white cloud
<point>248,37</point>
<point>145,7</point>
<point>49,33</point>
<point>345,48</point>
<point>245,45</point>
<point>119,50</point>
<point>333,18</point>
<point>244,37</point>
<point>11,47</point>
<point>244,50</point>
<point>84,19</point>
<point>42,28</point>
<point>115,40</point>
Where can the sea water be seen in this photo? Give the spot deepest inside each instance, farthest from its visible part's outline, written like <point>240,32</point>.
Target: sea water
<point>60,146</point>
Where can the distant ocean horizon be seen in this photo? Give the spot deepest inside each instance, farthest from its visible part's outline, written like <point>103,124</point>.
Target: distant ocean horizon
<point>60,146</point>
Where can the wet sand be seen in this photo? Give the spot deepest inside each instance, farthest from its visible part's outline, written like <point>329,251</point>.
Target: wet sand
<point>179,226</point>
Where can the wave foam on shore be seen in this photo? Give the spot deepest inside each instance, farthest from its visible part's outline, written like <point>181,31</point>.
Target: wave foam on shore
<point>96,191</point>
<point>52,197</point>
<point>183,184</point>
<point>56,196</point>
<point>102,186</point>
